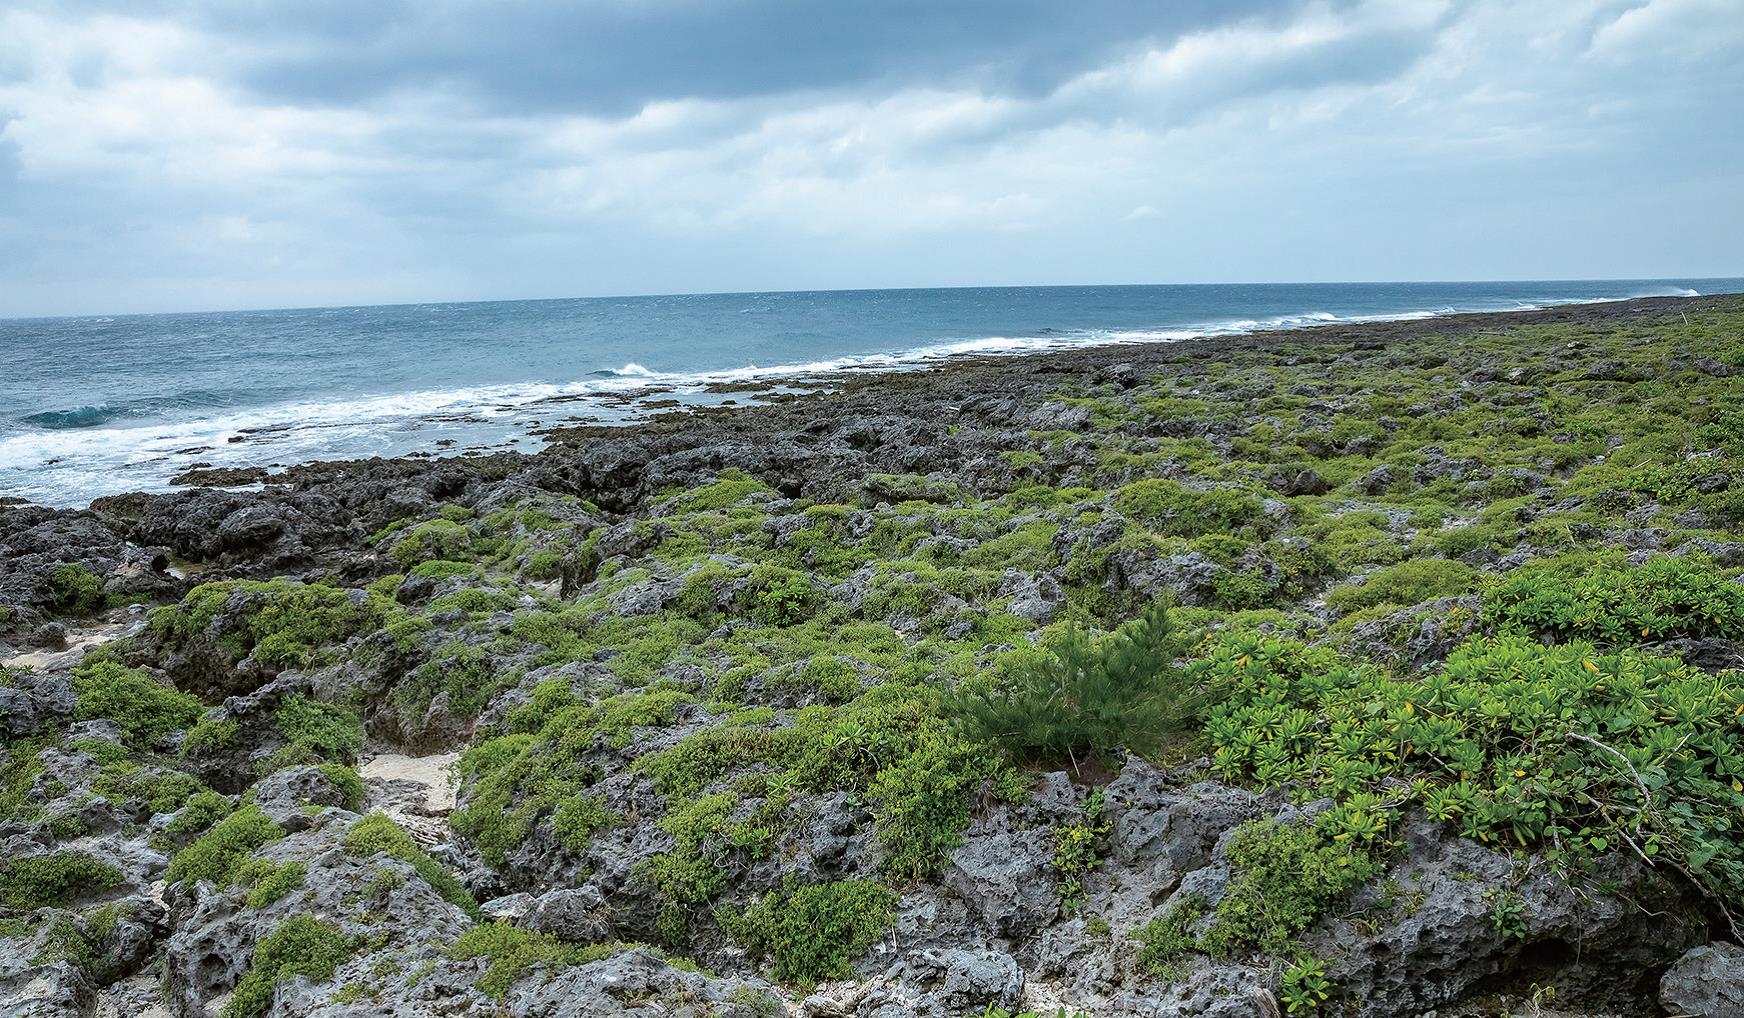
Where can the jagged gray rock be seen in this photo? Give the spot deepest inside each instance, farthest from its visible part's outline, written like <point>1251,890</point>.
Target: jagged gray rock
<point>1707,982</point>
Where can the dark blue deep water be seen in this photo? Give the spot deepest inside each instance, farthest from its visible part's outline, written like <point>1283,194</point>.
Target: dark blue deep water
<point>96,406</point>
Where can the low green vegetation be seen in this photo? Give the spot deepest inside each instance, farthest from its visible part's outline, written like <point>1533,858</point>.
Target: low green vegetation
<point>1406,583</point>
<point>210,734</point>
<point>300,945</point>
<point>460,673</point>
<point>197,815</point>
<point>378,834</point>
<point>160,791</point>
<point>514,952</point>
<point>1566,749</point>
<point>315,732</point>
<point>1165,940</point>
<point>282,623</point>
<point>436,540</point>
<point>19,770</point>
<point>1447,575</point>
<point>347,781</point>
<point>145,710</point>
<point>1615,603</point>
<point>75,590</point>
<point>219,854</point>
<point>43,881</point>
<point>268,882</point>
<point>1288,875</point>
<point>1170,508</point>
<point>812,931</point>
<point>1078,849</point>
<point>540,766</point>
<point>1304,985</point>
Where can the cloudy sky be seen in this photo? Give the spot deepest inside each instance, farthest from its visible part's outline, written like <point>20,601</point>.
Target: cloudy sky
<point>195,155</point>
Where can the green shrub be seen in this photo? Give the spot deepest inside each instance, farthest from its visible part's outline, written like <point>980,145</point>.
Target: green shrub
<point>210,734</point>
<point>145,710</point>
<point>407,631</point>
<point>835,679</point>
<point>544,564</point>
<point>1465,540</point>
<point>1561,748</point>
<point>813,931</point>
<point>920,792</point>
<point>300,945</point>
<point>348,781</point>
<point>1245,591</point>
<point>513,952</point>
<point>284,623</point>
<point>780,597</point>
<point>1172,509</point>
<point>732,487</point>
<point>526,775</point>
<point>50,881</point>
<point>317,731</point>
<point>577,818</point>
<point>1077,849</point>
<point>198,814</point>
<point>1304,985</point>
<point>159,791</point>
<point>1408,583</point>
<point>377,833</point>
<point>1163,940</point>
<point>63,941</point>
<point>1664,598</point>
<point>75,590</point>
<point>1508,913</point>
<point>434,539</point>
<point>18,776</point>
<point>1086,696</point>
<point>221,851</point>
<point>462,671</point>
<point>442,569</point>
<point>269,882</point>
<point>891,746</point>
<point>1286,877</point>
<point>475,601</point>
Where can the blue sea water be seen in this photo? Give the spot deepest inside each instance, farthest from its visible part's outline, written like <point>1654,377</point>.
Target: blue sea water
<point>103,405</point>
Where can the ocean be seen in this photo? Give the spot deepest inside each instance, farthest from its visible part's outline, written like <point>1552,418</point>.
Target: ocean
<point>94,406</point>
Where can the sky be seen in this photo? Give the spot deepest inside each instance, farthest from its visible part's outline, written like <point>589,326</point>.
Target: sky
<point>197,155</point>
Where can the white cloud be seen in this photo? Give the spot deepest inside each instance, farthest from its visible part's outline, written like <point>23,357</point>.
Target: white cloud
<point>1671,29</point>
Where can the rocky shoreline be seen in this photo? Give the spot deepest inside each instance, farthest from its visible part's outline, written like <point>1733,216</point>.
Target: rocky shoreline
<point>667,719</point>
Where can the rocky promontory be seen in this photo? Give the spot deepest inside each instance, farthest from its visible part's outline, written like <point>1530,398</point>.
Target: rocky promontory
<point>1378,670</point>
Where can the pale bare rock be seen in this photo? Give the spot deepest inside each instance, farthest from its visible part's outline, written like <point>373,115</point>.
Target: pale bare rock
<point>79,642</point>
<point>432,773</point>
<point>417,792</point>
<point>136,996</point>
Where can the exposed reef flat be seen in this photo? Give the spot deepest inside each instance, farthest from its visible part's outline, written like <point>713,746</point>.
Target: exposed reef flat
<point>1387,669</point>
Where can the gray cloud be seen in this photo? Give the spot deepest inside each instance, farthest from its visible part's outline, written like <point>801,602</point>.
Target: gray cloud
<point>615,56</point>
<point>191,154</point>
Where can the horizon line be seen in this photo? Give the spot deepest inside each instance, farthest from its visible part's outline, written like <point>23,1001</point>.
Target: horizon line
<point>860,289</point>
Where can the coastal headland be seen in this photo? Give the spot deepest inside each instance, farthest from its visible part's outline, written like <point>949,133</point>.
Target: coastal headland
<point>1375,669</point>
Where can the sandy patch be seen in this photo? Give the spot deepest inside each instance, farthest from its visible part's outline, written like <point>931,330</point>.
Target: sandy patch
<point>79,641</point>
<point>431,772</point>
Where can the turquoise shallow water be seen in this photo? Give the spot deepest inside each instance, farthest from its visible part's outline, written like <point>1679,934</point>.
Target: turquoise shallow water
<point>102,405</point>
